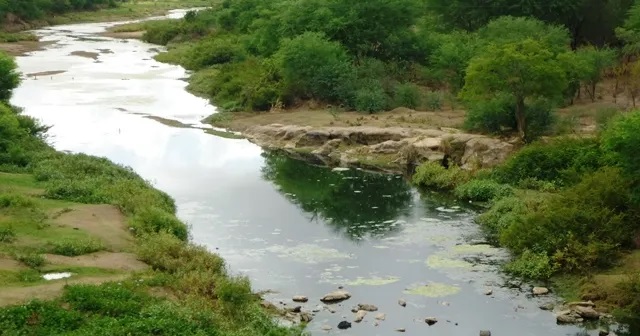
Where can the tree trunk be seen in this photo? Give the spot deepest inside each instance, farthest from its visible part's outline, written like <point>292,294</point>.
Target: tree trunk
<point>593,91</point>
<point>520,118</point>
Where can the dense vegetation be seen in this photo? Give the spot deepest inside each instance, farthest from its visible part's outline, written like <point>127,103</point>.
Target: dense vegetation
<point>565,206</point>
<point>510,62</point>
<point>187,291</point>
<point>37,9</point>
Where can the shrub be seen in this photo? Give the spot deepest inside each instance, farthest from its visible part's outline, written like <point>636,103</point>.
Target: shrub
<point>45,316</point>
<point>7,233</point>
<point>581,227</point>
<point>630,297</point>
<point>407,95</point>
<point>110,299</point>
<point>433,100</point>
<point>28,276</point>
<point>16,201</point>
<point>314,67</point>
<point>530,265</point>
<point>32,260</point>
<point>161,32</point>
<point>215,51</point>
<point>74,247</point>
<point>371,98</point>
<point>234,293</point>
<point>491,115</point>
<point>562,162</point>
<point>620,140</point>
<point>508,211</point>
<point>434,176</point>
<point>483,190</point>
<point>154,220</point>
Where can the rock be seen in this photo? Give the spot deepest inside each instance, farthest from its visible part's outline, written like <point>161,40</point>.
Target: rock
<point>326,327</point>
<point>431,320</point>
<point>540,290</point>
<point>485,333</point>
<point>268,305</point>
<point>295,309</point>
<point>367,307</point>
<point>603,333</point>
<point>336,296</point>
<point>344,325</point>
<point>381,317</point>
<point>567,317</point>
<point>488,291</point>
<point>401,330</point>
<point>402,302</point>
<point>587,312</point>
<point>547,306</point>
<point>582,303</point>
<point>375,323</point>
<point>305,317</point>
<point>300,298</point>
<point>360,316</point>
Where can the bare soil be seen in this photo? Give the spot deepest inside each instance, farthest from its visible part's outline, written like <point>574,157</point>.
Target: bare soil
<point>24,47</point>
<point>104,222</point>
<point>124,35</point>
<point>87,54</point>
<point>107,260</point>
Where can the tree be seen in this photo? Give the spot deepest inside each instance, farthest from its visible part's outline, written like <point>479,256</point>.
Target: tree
<point>621,140</point>
<point>597,61</point>
<point>523,70</point>
<point>314,67</point>
<point>9,77</point>
<point>509,29</point>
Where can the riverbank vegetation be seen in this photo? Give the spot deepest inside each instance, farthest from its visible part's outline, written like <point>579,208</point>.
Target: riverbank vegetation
<point>511,67</point>
<point>565,206</point>
<point>54,206</point>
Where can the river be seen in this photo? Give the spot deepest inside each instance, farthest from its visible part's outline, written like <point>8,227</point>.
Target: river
<point>291,227</point>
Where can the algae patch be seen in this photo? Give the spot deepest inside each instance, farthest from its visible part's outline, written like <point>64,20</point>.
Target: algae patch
<point>432,290</point>
<point>308,253</point>
<point>436,261</point>
<point>374,281</point>
<point>475,249</point>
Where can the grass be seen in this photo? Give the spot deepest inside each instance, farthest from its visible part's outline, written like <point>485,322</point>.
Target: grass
<point>6,37</point>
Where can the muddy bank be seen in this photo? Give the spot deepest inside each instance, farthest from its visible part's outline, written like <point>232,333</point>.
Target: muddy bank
<point>392,149</point>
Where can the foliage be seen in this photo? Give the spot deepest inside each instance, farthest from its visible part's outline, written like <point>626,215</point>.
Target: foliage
<point>371,98</point>
<point>522,70</point>
<point>32,260</point>
<point>597,61</point>
<point>561,161</point>
<point>9,77</point>
<point>483,190</point>
<point>530,265</point>
<point>36,9</point>
<point>620,140</point>
<point>407,95</point>
<point>434,176</point>
<point>76,247</point>
<point>7,233</point>
<point>154,220</point>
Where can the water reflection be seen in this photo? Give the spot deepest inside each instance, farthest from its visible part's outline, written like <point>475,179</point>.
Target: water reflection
<point>352,202</point>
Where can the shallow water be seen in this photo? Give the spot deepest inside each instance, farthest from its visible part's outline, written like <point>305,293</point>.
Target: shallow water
<point>291,227</point>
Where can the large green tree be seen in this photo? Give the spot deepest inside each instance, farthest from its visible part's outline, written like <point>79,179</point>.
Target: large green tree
<point>9,77</point>
<point>525,70</point>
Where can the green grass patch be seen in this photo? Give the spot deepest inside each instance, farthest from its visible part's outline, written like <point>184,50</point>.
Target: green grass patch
<point>76,247</point>
<point>17,37</point>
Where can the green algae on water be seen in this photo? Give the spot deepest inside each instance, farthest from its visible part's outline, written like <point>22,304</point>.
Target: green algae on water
<point>374,281</point>
<point>308,253</point>
<point>437,261</point>
<point>432,290</point>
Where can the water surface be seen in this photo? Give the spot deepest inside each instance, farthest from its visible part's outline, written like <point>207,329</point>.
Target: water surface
<point>291,227</point>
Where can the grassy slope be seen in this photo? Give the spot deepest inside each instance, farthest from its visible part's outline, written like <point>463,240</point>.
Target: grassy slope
<point>186,290</point>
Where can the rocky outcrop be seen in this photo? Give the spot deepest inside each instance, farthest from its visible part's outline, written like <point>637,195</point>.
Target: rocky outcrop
<point>391,149</point>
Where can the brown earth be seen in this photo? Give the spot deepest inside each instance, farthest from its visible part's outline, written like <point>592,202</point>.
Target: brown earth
<point>87,54</point>
<point>124,35</point>
<point>24,47</point>
<point>107,260</point>
<point>104,222</point>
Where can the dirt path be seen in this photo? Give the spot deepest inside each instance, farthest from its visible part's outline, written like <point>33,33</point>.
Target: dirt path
<point>107,260</point>
<point>105,222</point>
<point>16,295</point>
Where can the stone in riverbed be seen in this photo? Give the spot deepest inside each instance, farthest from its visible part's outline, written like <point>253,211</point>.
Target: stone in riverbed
<point>547,306</point>
<point>336,296</point>
<point>381,317</point>
<point>540,290</point>
<point>402,302</point>
<point>401,330</point>
<point>326,327</point>
<point>485,333</point>
<point>587,312</point>
<point>488,291</point>
<point>568,317</point>
<point>367,307</point>
<point>344,325</point>
<point>295,309</point>
<point>305,317</point>
<point>300,298</point>
<point>431,320</point>
<point>360,316</point>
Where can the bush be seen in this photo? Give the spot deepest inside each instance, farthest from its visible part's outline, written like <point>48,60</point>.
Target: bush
<point>530,265</point>
<point>16,201</point>
<point>314,67</point>
<point>32,260</point>
<point>7,233</point>
<point>483,190</point>
<point>620,141</point>
<point>508,211</point>
<point>433,100</point>
<point>73,247</point>
<point>110,299</point>
<point>434,176</point>
<point>583,226</point>
<point>407,95</point>
<point>154,220</point>
<point>371,98</point>
<point>234,294</point>
<point>215,51</point>
<point>28,276</point>
<point>562,161</point>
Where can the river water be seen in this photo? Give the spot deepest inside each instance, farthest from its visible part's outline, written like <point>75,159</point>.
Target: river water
<point>291,227</point>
